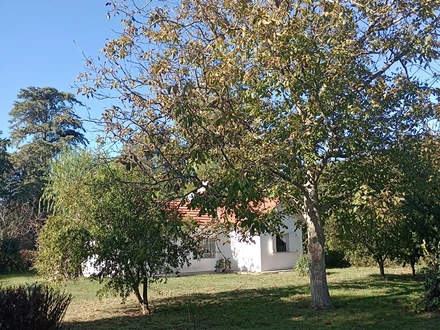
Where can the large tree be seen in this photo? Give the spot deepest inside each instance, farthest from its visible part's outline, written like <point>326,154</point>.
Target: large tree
<point>43,122</point>
<point>266,94</point>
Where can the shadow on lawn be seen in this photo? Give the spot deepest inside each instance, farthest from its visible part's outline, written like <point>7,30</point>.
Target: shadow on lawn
<point>364,304</point>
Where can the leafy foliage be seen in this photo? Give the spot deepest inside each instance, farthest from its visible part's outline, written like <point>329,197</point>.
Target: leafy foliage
<point>387,203</point>
<point>266,94</point>
<point>336,259</point>
<point>28,258</point>
<point>10,260</point>
<point>431,297</point>
<point>131,238</point>
<point>302,265</point>
<point>20,220</point>
<point>45,114</point>
<point>43,122</point>
<point>36,307</point>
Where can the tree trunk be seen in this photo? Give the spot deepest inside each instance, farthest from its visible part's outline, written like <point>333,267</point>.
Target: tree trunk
<point>381,263</point>
<point>413,266</point>
<point>145,308</point>
<point>145,296</point>
<point>143,300</point>
<point>316,240</point>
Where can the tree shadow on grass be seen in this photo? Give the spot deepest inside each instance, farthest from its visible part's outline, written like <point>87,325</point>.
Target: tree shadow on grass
<point>364,304</point>
<point>392,286</point>
<point>397,277</point>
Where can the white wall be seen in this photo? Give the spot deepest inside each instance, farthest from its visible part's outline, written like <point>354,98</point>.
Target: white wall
<point>256,256</point>
<point>88,267</point>
<point>223,250</point>
<point>272,260</point>
<point>246,256</point>
<point>201,265</point>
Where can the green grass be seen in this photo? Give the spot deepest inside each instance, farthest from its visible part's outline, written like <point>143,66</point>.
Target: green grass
<point>265,301</point>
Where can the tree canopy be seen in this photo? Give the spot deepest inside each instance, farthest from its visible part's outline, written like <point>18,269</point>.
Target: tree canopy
<point>45,114</point>
<point>43,122</point>
<point>267,94</point>
<point>386,204</point>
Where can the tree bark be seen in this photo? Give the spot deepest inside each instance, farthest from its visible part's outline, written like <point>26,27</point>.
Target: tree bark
<point>413,266</point>
<point>143,300</point>
<point>381,263</point>
<point>316,240</point>
<point>146,307</point>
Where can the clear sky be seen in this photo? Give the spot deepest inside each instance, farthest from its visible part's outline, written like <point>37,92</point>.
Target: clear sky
<point>37,47</point>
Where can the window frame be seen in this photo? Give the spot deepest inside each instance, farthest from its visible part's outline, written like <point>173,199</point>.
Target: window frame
<point>284,237</point>
<point>208,248</point>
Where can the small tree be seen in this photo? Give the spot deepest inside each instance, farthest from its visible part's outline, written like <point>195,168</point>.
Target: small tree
<point>132,238</point>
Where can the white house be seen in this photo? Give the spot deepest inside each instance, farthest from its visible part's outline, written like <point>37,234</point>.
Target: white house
<point>259,254</point>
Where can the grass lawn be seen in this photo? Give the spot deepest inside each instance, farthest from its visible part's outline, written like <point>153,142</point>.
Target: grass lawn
<point>265,301</point>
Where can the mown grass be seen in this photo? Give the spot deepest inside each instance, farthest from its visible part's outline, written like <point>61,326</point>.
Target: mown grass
<point>265,301</point>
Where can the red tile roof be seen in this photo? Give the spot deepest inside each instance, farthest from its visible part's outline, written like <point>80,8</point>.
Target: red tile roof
<point>186,212</point>
<point>205,219</point>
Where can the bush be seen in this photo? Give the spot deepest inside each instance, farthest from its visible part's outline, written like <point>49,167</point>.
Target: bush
<point>336,259</point>
<point>431,296</point>
<point>35,307</point>
<point>302,265</point>
<point>10,260</point>
<point>28,258</point>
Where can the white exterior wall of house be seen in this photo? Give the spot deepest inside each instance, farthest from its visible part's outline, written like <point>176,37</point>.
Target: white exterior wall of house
<point>272,260</point>
<point>199,266</point>
<point>88,268</point>
<point>246,256</point>
<point>257,256</point>
<point>223,250</point>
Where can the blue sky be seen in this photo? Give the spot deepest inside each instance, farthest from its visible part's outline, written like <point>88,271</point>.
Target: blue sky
<point>37,47</point>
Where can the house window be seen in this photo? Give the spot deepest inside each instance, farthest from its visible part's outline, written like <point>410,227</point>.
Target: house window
<point>281,243</point>
<point>208,248</point>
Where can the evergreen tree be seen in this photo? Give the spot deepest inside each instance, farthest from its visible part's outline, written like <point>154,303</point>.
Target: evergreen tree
<point>43,123</point>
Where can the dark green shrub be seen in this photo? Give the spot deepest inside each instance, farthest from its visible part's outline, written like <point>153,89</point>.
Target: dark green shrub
<point>336,259</point>
<point>35,307</point>
<point>432,291</point>
<point>431,296</point>
<point>10,260</point>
